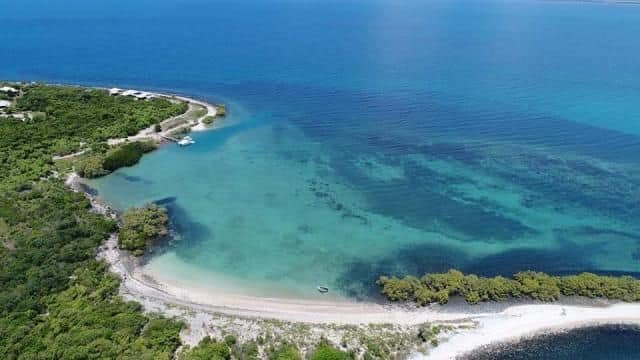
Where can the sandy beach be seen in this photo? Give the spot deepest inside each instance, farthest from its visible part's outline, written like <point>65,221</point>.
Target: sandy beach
<point>510,324</point>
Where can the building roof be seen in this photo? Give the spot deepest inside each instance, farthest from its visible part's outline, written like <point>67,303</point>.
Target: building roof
<point>5,103</point>
<point>8,89</point>
<point>114,91</point>
<point>130,93</point>
<point>142,95</point>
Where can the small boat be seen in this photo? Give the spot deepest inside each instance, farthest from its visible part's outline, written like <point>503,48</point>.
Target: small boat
<point>323,289</point>
<point>185,141</point>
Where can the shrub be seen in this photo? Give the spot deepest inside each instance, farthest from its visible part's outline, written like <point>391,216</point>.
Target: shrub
<point>325,351</point>
<point>207,349</point>
<point>208,120</point>
<point>126,155</point>
<point>141,226</point>
<point>247,351</point>
<point>221,110</point>
<point>285,352</point>
<point>230,340</point>
<point>534,285</point>
<point>90,166</point>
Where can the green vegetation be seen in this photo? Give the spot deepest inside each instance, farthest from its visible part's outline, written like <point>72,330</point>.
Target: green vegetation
<point>208,120</point>
<point>208,349</point>
<point>68,117</point>
<point>246,351</point>
<point>286,352</point>
<point>437,288</point>
<point>141,226</point>
<point>429,334</point>
<point>56,300</point>
<point>91,166</point>
<point>126,155</point>
<point>97,163</point>
<point>91,114</point>
<point>198,112</point>
<point>325,351</point>
<point>221,110</point>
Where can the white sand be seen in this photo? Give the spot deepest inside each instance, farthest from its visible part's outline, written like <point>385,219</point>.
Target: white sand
<point>526,320</point>
<point>149,290</point>
<point>211,111</point>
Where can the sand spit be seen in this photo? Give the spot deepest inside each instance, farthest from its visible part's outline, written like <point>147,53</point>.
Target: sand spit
<point>522,321</point>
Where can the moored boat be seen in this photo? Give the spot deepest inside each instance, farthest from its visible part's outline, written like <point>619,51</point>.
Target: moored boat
<point>185,141</point>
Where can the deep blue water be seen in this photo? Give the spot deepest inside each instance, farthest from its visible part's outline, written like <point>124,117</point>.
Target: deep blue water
<point>595,343</point>
<point>368,137</point>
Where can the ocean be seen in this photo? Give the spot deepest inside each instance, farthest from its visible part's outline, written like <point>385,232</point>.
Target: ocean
<point>619,342</point>
<point>367,138</point>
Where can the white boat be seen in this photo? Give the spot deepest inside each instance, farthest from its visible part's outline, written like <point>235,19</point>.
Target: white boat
<point>323,289</point>
<point>185,141</point>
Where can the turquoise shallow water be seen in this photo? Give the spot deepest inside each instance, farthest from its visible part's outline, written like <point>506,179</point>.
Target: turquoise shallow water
<point>368,137</point>
<point>265,206</point>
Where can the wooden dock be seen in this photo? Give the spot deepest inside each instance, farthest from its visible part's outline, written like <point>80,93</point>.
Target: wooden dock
<point>166,137</point>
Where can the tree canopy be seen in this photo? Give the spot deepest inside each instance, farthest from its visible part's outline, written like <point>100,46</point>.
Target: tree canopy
<point>69,116</point>
<point>56,300</point>
<point>141,226</point>
<point>438,288</point>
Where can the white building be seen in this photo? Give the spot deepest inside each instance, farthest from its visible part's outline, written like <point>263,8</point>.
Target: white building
<point>9,90</point>
<point>143,96</point>
<point>138,95</point>
<point>4,104</point>
<point>130,93</point>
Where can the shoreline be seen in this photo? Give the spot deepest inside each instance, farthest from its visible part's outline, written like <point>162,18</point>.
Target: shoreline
<point>510,324</point>
<point>526,321</point>
<point>196,125</point>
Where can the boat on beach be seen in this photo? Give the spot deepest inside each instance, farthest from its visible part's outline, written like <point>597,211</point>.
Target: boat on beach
<point>323,289</point>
